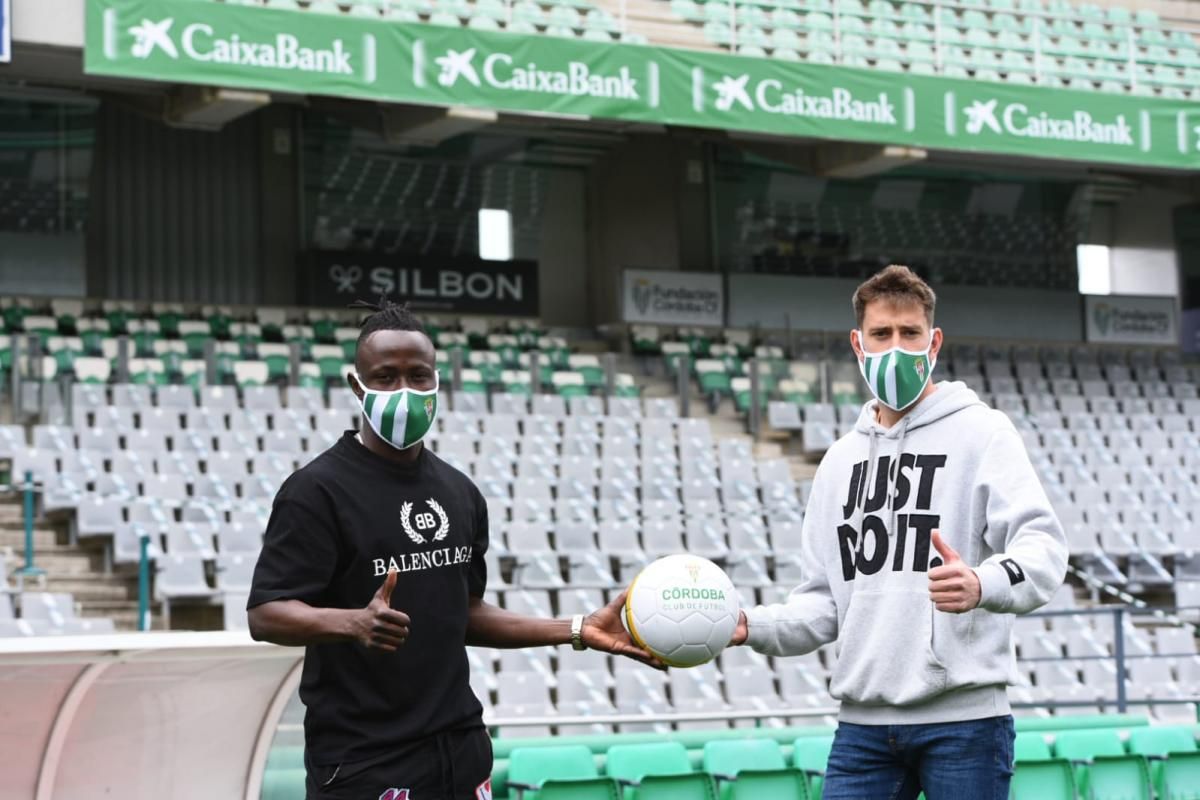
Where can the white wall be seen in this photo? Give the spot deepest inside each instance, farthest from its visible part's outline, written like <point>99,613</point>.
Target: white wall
<point>54,22</point>
<point>1144,271</point>
<point>1142,240</point>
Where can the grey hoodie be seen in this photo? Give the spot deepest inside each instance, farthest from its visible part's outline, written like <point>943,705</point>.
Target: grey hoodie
<point>963,471</point>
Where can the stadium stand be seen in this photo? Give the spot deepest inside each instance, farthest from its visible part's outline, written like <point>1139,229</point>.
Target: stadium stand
<point>195,466</point>
<point>580,499</point>
<point>1083,46</point>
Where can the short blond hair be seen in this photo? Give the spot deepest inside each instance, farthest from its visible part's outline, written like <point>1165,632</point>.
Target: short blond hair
<point>896,285</point>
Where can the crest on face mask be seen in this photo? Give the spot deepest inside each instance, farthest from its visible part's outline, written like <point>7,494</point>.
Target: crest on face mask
<point>896,376</point>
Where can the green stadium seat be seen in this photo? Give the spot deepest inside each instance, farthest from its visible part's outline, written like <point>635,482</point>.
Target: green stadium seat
<point>821,42</point>
<point>785,18</point>
<point>600,20</point>
<point>854,25</point>
<point>752,50</point>
<point>916,13</point>
<point>786,54</point>
<point>1147,18</point>
<point>752,769</point>
<point>657,771</point>
<point>1181,777</point>
<point>147,371</point>
<point>564,17</point>
<point>625,386</point>
<point>1119,778</point>
<point>1098,754</point>
<point>483,24</point>
<point>753,15</point>
<point>717,33</point>
<point>717,12</point>
<point>688,10</point>
<point>811,754</point>
<point>492,9</point>
<point>918,32</point>
<point>712,376</point>
<point>569,384</point>
<point>855,45</point>
<point>882,9</point>
<point>920,51</point>
<point>975,19</point>
<point>1161,744</point>
<point>819,57</point>
<point>884,28</point>
<point>783,37</point>
<point>1031,746</point>
<point>565,772</point>
<point>1043,780</point>
<point>819,21</point>
<point>1119,15</point>
<point>753,37</point>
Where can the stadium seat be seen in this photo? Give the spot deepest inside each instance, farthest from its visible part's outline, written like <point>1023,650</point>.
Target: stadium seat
<point>1103,769</point>
<point>1167,744</point>
<point>1051,779</point>
<point>657,771</point>
<point>553,773</point>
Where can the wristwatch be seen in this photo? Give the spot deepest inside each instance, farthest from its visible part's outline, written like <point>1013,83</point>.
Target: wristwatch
<point>577,633</point>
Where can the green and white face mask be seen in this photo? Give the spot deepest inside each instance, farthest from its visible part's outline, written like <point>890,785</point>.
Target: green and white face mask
<point>896,376</point>
<point>401,418</point>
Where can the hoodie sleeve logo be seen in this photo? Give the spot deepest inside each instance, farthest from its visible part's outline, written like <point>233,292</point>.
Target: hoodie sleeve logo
<point>1015,573</point>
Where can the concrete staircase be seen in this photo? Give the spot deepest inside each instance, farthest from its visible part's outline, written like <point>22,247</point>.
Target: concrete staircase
<point>78,570</point>
<point>726,422</point>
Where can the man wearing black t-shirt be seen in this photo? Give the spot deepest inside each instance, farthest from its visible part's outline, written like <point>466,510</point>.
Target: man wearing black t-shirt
<point>373,560</point>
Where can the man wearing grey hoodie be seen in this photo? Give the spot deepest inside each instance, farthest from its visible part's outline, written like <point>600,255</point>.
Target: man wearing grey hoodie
<point>926,531</point>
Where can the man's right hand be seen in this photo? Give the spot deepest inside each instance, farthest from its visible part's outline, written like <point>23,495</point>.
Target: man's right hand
<point>741,632</point>
<point>379,626</point>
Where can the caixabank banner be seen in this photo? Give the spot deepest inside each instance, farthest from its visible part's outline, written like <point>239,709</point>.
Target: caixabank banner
<point>297,52</point>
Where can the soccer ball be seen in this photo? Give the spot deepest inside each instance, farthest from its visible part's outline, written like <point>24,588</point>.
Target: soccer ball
<point>682,609</point>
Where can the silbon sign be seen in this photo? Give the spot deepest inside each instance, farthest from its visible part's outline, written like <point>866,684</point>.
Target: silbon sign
<point>307,53</point>
<point>464,285</point>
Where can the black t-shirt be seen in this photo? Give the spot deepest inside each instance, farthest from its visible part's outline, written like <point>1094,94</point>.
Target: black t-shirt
<point>337,526</point>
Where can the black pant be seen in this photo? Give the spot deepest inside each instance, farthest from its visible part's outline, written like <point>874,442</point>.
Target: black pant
<point>445,766</point>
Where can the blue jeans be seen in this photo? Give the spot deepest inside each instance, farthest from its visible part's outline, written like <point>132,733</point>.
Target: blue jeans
<point>970,760</point>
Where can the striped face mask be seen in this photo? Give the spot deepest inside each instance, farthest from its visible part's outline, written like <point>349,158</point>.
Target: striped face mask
<point>401,418</point>
<point>897,376</point>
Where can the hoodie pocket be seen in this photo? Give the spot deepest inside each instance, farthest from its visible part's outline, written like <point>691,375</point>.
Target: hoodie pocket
<point>885,652</point>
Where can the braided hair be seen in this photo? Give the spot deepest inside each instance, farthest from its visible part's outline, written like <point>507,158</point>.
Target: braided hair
<point>386,316</point>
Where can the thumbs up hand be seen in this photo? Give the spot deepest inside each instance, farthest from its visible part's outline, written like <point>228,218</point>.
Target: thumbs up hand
<point>379,626</point>
<point>953,586</point>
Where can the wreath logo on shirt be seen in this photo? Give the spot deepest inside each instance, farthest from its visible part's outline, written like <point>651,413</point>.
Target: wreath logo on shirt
<point>425,521</point>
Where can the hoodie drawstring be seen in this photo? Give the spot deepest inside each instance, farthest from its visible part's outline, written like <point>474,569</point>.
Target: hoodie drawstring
<point>869,477</point>
<point>895,479</point>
